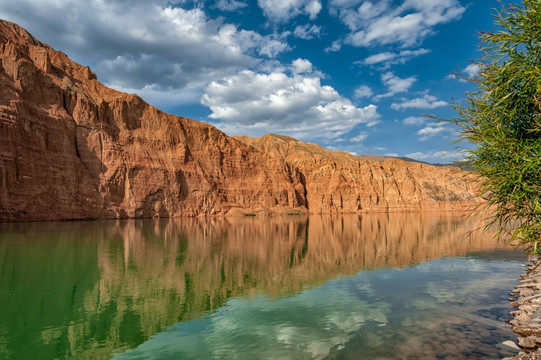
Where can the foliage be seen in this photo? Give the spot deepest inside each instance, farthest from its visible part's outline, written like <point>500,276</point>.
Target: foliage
<point>502,118</point>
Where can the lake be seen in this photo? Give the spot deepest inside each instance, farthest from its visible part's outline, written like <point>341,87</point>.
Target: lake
<point>372,286</point>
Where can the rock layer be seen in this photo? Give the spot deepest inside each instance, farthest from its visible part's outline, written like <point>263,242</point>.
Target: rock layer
<point>71,148</point>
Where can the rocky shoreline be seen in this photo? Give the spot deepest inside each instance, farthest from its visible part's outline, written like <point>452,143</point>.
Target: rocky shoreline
<point>526,298</point>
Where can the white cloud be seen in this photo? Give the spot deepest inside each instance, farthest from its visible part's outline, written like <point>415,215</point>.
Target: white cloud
<point>297,104</point>
<point>272,47</point>
<point>472,70</point>
<point>395,84</point>
<point>363,91</point>
<point>284,10</point>
<point>336,5</point>
<point>300,66</point>
<point>354,19</point>
<point>388,30</point>
<point>437,156</point>
<point>392,58</point>
<point>426,102</point>
<point>307,32</point>
<point>380,23</point>
<point>433,130</point>
<point>162,97</point>
<point>414,120</point>
<point>430,131</point>
<point>359,138</point>
<point>378,58</point>
<point>335,46</point>
<point>230,5</point>
<point>312,8</point>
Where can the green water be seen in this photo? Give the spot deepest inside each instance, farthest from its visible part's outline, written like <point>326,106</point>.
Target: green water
<point>399,286</point>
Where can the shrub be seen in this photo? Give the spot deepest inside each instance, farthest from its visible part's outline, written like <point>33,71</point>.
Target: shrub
<point>502,118</point>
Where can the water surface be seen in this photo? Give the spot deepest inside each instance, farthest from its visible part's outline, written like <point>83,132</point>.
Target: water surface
<point>374,286</point>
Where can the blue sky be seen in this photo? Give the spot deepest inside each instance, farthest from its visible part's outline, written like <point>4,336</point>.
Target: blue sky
<point>350,75</point>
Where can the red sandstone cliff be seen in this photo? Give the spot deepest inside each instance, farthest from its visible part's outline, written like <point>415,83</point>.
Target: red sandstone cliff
<point>71,148</point>
<point>341,182</point>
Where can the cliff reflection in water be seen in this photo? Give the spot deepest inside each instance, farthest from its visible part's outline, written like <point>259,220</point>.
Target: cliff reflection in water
<point>87,289</point>
<point>208,260</point>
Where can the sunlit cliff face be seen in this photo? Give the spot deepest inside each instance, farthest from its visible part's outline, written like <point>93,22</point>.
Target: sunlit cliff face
<point>73,148</point>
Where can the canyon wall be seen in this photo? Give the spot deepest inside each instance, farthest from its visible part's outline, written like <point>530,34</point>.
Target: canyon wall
<point>72,148</point>
<point>341,182</point>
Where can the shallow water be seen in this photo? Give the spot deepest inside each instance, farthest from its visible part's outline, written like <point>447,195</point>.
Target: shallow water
<point>377,286</point>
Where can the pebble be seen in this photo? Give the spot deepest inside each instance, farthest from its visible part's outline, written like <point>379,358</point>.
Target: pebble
<point>527,342</point>
<point>537,313</point>
<point>510,344</point>
<point>523,317</point>
<point>527,308</point>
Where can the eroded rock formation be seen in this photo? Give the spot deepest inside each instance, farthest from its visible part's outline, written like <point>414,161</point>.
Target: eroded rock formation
<point>341,182</point>
<point>71,148</point>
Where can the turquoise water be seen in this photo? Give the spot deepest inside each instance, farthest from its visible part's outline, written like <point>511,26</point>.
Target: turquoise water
<point>399,286</point>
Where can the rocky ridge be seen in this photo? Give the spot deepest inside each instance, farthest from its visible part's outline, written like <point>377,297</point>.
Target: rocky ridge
<point>72,148</point>
<point>342,182</point>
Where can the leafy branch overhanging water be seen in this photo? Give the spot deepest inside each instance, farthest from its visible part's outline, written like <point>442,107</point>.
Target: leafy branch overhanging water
<point>502,118</point>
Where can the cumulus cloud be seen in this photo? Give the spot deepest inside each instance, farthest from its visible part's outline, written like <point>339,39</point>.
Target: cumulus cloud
<point>392,58</point>
<point>334,47</point>
<point>381,23</point>
<point>359,138</point>
<point>312,8</point>
<point>230,5</point>
<point>300,66</point>
<point>437,156</point>
<point>289,103</point>
<point>164,96</point>
<point>414,120</point>
<point>425,102</point>
<point>434,129</point>
<point>453,76</point>
<point>307,32</point>
<point>378,58</point>
<point>148,44</point>
<point>363,91</point>
<point>284,10</point>
<point>395,84</point>
<point>472,70</point>
<point>271,46</point>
